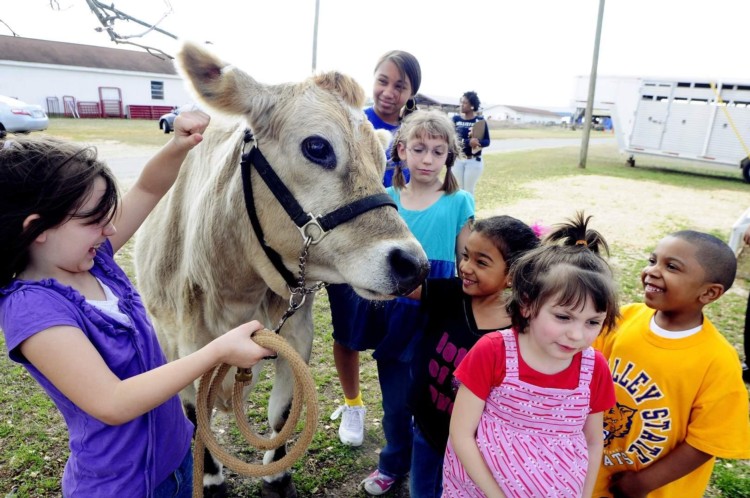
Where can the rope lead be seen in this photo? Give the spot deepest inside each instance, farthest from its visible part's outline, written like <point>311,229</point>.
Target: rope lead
<point>304,393</point>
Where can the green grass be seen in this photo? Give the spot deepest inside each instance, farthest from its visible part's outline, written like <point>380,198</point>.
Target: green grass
<point>505,133</point>
<point>732,479</point>
<point>127,131</point>
<point>33,439</point>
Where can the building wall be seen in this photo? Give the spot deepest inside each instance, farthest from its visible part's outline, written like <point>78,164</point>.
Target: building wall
<point>538,118</point>
<point>503,113</point>
<point>500,113</point>
<point>33,83</point>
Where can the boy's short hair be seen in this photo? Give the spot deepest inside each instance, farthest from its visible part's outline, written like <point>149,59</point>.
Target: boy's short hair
<point>714,255</point>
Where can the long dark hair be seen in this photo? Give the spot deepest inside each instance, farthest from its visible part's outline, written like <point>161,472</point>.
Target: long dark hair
<point>49,178</point>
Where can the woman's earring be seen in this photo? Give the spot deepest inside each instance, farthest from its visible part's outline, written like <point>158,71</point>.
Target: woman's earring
<point>409,107</point>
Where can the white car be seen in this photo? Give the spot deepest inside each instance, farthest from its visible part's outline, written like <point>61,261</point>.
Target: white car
<point>166,122</point>
<point>17,116</point>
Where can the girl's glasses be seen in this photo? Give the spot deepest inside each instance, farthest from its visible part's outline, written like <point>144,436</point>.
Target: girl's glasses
<point>420,150</point>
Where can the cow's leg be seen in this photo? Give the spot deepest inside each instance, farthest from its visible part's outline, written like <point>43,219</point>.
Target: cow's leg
<point>213,477</point>
<point>298,331</point>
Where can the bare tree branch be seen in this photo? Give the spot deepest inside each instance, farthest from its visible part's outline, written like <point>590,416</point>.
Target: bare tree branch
<point>108,15</point>
<point>11,29</point>
<point>53,4</point>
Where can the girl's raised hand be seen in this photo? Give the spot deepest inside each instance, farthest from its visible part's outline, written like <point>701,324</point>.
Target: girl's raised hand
<point>158,175</point>
<point>189,127</point>
<point>237,347</point>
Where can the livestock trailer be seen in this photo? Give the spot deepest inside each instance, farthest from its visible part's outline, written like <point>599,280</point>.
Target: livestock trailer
<point>705,121</point>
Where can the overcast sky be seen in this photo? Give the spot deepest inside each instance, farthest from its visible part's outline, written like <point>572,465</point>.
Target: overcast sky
<point>515,52</point>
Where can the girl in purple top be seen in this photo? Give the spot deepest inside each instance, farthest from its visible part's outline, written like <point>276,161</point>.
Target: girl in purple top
<point>74,320</point>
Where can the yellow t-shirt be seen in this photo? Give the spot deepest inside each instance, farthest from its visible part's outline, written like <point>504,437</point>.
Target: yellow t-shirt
<point>669,391</point>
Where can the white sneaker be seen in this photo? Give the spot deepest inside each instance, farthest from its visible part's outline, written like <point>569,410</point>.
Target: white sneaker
<point>352,428</point>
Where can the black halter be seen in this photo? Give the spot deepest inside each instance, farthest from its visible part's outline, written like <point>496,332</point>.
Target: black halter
<point>313,228</point>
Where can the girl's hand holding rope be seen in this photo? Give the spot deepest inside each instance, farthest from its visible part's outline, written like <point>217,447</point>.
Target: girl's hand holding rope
<point>238,348</point>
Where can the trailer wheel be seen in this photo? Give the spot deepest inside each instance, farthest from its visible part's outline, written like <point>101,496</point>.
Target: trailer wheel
<point>630,162</point>
<point>745,165</point>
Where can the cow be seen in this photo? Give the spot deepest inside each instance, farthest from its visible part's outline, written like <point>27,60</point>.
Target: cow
<point>202,265</point>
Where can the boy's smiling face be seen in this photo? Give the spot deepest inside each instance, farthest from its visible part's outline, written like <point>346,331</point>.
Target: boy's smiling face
<point>674,280</point>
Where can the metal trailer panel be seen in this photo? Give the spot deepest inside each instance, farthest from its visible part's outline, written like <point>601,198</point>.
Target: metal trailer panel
<point>611,91</point>
<point>686,129</point>
<point>724,145</point>
<point>687,120</point>
<point>648,126</point>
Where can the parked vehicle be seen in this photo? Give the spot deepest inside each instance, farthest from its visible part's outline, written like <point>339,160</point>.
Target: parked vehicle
<point>703,121</point>
<point>19,117</point>
<point>166,121</point>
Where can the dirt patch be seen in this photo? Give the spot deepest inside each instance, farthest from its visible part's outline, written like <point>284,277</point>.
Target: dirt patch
<point>630,214</point>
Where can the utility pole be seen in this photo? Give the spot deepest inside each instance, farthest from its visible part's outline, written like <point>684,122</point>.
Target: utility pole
<point>315,37</point>
<point>592,89</point>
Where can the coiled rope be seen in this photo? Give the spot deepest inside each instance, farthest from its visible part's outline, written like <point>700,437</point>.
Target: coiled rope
<point>304,393</point>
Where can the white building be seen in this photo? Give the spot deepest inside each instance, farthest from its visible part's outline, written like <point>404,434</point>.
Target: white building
<point>65,76</point>
<point>518,114</point>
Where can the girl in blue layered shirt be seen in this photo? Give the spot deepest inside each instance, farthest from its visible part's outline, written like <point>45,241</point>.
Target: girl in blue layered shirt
<point>438,215</point>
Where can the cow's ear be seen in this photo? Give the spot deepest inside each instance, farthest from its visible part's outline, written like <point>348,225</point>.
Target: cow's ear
<point>219,84</point>
<point>384,137</point>
<point>343,85</point>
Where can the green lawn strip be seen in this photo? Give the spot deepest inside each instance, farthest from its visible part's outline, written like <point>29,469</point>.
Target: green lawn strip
<point>128,131</point>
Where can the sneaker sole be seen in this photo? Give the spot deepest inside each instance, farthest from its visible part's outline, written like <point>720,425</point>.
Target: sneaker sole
<point>350,443</point>
<point>378,491</point>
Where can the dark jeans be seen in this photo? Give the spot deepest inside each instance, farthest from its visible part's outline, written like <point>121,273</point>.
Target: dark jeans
<point>426,476</point>
<point>395,458</point>
<point>180,483</point>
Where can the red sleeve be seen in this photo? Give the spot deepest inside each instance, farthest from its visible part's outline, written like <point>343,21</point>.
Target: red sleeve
<point>602,387</point>
<point>484,365</point>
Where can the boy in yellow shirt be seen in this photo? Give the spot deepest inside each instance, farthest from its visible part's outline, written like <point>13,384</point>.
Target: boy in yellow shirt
<point>681,400</point>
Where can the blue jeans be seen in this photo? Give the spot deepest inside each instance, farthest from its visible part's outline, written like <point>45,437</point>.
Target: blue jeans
<point>426,477</point>
<point>180,483</point>
<point>395,380</point>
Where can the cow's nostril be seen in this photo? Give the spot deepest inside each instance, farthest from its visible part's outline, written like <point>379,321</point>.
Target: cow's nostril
<point>408,270</point>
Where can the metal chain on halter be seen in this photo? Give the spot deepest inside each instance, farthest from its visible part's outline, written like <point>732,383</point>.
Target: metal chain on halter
<point>296,300</point>
<point>299,293</point>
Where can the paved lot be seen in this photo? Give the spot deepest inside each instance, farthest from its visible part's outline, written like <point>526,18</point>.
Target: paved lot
<point>516,144</point>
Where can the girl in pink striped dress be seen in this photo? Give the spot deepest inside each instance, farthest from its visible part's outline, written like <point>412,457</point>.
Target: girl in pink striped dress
<point>527,421</point>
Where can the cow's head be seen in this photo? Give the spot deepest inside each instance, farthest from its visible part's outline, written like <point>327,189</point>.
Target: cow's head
<point>319,142</point>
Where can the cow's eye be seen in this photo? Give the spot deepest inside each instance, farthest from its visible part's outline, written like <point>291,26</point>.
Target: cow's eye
<point>319,150</point>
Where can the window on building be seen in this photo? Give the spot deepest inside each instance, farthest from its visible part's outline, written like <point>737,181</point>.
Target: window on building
<point>157,90</point>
